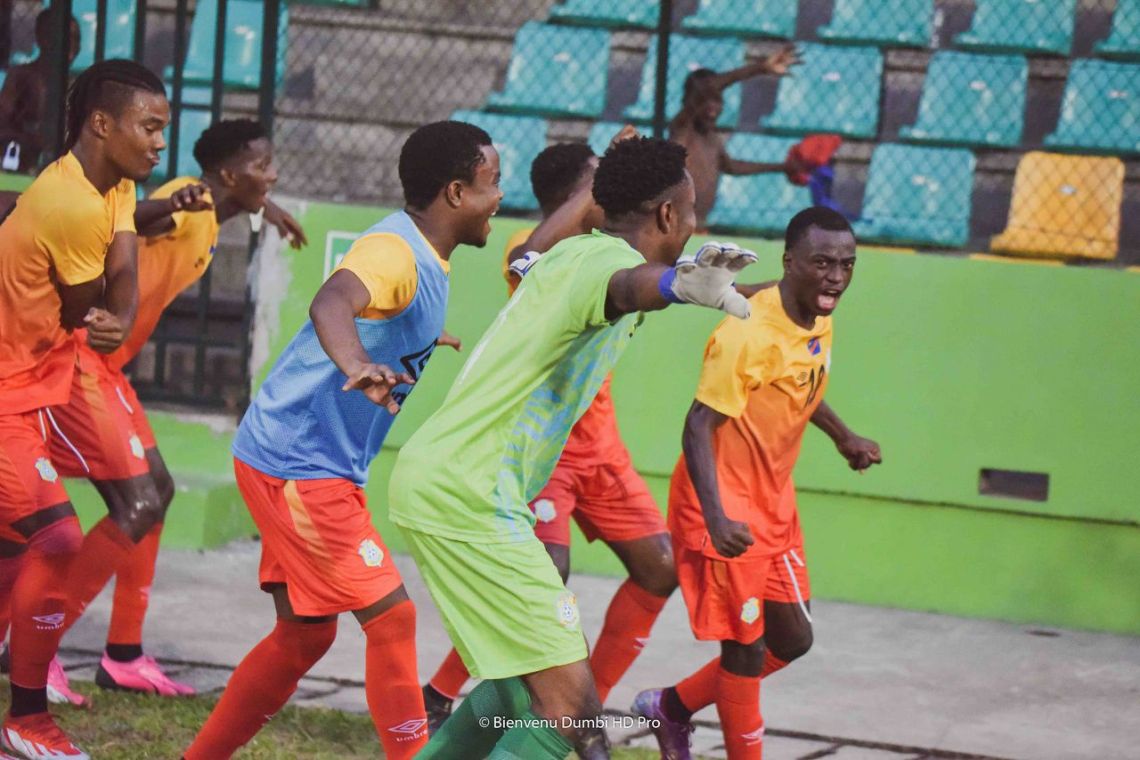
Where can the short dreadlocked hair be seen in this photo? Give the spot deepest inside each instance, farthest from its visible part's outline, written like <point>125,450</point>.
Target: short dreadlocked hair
<point>636,171</point>
<point>437,154</point>
<point>225,139</point>
<point>106,86</point>
<point>556,171</point>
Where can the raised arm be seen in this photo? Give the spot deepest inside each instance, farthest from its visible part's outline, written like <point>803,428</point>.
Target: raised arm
<point>565,222</point>
<point>729,537</point>
<point>110,325</point>
<point>156,216</point>
<point>779,64</point>
<point>333,312</point>
<point>859,452</point>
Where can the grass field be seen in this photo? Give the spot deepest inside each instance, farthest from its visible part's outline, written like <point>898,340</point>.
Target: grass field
<point>130,727</point>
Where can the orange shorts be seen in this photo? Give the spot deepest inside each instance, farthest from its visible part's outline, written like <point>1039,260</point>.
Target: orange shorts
<point>726,599</point>
<point>29,480</point>
<point>610,503</point>
<point>102,433</point>
<point>317,538</point>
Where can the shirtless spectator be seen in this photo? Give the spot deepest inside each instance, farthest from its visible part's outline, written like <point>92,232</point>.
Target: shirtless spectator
<point>23,99</point>
<point>695,126</point>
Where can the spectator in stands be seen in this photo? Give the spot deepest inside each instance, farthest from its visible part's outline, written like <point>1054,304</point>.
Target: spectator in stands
<point>695,127</point>
<point>23,99</point>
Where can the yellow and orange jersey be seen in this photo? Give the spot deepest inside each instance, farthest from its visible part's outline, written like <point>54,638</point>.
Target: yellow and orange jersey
<point>767,375</point>
<point>168,264</point>
<point>595,438</point>
<point>58,234</point>
<point>386,264</point>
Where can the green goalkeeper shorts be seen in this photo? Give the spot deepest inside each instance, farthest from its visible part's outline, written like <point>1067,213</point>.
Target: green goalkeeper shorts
<point>506,609</point>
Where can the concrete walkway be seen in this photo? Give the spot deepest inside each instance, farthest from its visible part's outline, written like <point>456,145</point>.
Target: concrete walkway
<point>879,684</point>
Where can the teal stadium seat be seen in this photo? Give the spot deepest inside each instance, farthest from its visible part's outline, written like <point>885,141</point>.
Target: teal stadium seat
<point>196,117</point>
<point>120,41</point>
<point>242,66</point>
<point>1021,26</point>
<point>743,18</point>
<point>609,14</point>
<point>518,139</point>
<point>886,23</point>
<point>1100,112</point>
<point>835,90</point>
<point>687,54</point>
<point>556,71</point>
<point>971,99</point>
<point>758,203</point>
<point>918,195</point>
<point>1124,41</point>
<point>601,134</point>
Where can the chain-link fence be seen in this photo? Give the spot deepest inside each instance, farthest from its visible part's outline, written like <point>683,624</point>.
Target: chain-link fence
<point>1010,126</point>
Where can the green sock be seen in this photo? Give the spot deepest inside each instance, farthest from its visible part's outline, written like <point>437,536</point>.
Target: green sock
<point>535,741</point>
<point>470,732</point>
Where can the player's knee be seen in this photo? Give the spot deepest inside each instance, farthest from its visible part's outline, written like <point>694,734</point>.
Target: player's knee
<point>793,647</point>
<point>137,507</point>
<point>743,659</point>
<point>164,485</point>
<point>657,574</point>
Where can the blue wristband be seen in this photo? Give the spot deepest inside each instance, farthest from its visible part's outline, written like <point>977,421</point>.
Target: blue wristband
<point>665,286</point>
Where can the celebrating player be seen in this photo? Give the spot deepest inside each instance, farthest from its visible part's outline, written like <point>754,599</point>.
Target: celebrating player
<point>595,481</point>
<point>111,440</point>
<point>732,504</point>
<point>463,482</point>
<point>67,259</point>
<point>694,126</point>
<point>302,451</point>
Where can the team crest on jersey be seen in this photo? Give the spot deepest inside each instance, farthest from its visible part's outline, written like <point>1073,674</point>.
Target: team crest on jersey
<point>136,446</point>
<point>750,611</point>
<point>566,605</point>
<point>46,471</point>
<point>813,346</point>
<point>544,510</point>
<point>372,554</point>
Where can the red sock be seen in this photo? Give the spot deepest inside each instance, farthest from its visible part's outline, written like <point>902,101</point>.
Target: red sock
<point>451,676</point>
<point>38,601</point>
<point>738,705</point>
<point>105,548</point>
<point>628,621</point>
<point>392,684</point>
<point>9,571</point>
<point>132,590</point>
<point>772,663</point>
<point>260,686</point>
<point>698,691</point>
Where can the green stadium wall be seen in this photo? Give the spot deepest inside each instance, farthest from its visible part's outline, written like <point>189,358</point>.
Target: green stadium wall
<point>951,364</point>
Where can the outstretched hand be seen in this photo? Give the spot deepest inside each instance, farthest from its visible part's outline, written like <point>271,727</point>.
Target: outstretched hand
<point>860,452</point>
<point>781,63</point>
<point>626,133</point>
<point>288,227</point>
<point>447,339</point>
<point>376,381</point>
<point>191,198</point>
<point>706,279</point>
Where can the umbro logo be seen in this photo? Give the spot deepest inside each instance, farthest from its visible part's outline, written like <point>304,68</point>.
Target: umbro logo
<point>412,726</point>
<point>641,642</point>
<point>756,737</point>
<point>51,622</point>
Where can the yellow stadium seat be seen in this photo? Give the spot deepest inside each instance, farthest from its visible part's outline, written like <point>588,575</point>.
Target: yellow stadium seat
<point>1064,206</point>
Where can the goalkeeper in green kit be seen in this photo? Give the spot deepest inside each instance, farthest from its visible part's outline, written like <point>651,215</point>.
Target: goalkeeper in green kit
<point>461,486</point>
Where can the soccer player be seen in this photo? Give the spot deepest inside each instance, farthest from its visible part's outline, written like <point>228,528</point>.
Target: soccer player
<point>23,98</point>
<point>302,451</point>
<point>594,481</point>
<point>463,482</point>
<point>694,126</point>
<point>732,504</point>
<point>67,259</point>
<point>111,442</point>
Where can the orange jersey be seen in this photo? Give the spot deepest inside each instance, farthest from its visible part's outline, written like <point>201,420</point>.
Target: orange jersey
<point>767,375</point>
<point>58,233</point>
<point>168,264</point>
<point>595,437</point>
